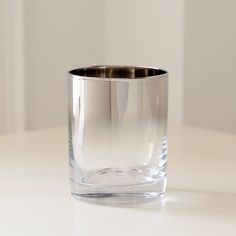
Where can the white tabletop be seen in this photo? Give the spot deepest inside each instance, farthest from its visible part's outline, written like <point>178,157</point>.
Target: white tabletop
<point>35,199</point>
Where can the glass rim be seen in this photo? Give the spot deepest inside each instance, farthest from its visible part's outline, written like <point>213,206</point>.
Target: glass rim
<point>117,73</point>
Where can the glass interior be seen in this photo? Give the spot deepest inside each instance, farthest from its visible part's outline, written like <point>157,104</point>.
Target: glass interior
<point>125,72</point>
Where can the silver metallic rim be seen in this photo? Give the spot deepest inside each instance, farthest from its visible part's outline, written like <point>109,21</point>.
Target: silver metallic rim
<point>117,73</point>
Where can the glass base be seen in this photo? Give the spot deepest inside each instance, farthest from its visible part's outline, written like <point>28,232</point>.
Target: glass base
<point>101,187</point>
<point>119,199</point>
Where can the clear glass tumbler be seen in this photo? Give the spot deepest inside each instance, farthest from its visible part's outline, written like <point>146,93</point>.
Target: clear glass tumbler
<point>117,134</point>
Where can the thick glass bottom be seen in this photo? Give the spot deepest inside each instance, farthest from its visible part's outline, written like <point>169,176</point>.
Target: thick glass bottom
<point>118,187</point>
<point>119,198</point>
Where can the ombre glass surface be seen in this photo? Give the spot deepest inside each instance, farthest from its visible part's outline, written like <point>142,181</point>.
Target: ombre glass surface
<point>117,134</point>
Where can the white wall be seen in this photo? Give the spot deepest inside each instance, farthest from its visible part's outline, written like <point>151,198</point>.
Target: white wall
<point>41,40</point>
<point>12,113</point>
<point>148,33</point>
<point>59,35</point>
<point>210,63</point>
<point>87,32</point>
<point>2,74</point>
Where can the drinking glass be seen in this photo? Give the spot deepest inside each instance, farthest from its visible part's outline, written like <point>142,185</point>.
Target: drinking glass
<point>118,134</point>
